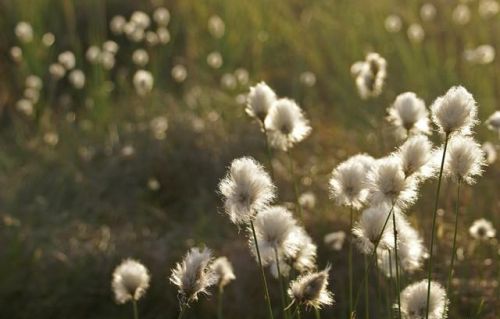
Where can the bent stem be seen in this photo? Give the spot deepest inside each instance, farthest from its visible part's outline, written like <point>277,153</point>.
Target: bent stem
<point>350,264</point>
<point>429,275</point>
<point>454,248</point>
<point>295,186</point>
<point>396,259</point>
<point>282,286</point>
<point>134,306</point>
<point>266,290</point>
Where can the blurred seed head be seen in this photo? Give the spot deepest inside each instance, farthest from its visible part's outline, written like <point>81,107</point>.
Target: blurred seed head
<point>308,79</point>
<point>393,23</point>
<point>140,57</point>
<point>179,73</point>
<point>247,189</point>
<point>110,46</point>
<point>159,126</point>
<point>216,26</point>
<point>117,24</point>
<point>415,33</point>
<point>25,106</point>
<point>311,290</point>
<point>67,60</point>
<point>214,60</point>
<point>307,200</point>
<point>161,16</point>
<point>370,75</point>
<point>414,301</point>
<point>24,32</point>
<point>335,240</point>
<point>493,122</point>
<point>140,19</point>
<point>455,112</point>
<point>482,229</point>
<point>152,38</point>
<point>483,54</point>
<point>34,82</point>
<point>130,281</point>
<point>51,138</point>
<point>286,124</point>
<point>107,60</point>
<point>57,71</point>
<point>428,11</point>
<point>163,35</point>
<point>223,270</point>
<point>193,275</point>
<point>48,39</point>
<point>228,81</point>
<point>242,76</point>
<point>488,8</point>
<point>16,53</point>
<point>490,152</point>
<point>461,14</point>
<point>143,82</point>
<point>32,94</point>
<point>93,54</point>
<point>77,79</point>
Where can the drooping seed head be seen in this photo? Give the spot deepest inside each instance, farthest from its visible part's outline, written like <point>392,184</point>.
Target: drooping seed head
<point>130,281</point>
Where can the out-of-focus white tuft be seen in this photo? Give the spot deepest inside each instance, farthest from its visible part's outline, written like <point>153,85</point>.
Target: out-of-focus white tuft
<point>130,281</point>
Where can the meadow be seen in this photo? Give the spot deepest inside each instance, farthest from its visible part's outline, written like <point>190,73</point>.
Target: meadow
<point>149,129</point>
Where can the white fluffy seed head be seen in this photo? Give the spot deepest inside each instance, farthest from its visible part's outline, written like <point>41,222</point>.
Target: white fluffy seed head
<point>300,251</point>
<point>455,112</point>
<point>414,301</point>
<point>370,75</point>
<point>464,159</point>
<point>409,114</point>
<point>273,225</point>
<point>24,32</point>
<point>259,101</point>
<point>490,152</point>
<point>143,82</point>
<point>77,78</point>
<point>130,281</point>
<point>161,16</point>
<point>482,229</point>
<point>348,184</point>
<point>368,229</point>
<point>286,124</point>
<point>223,270</point>
<point>311,290</point>
<point>416,155</point>
<point>247,189</point>
<point>140,57</point>
<point>388,184</point>
<point>193,275</point>
<point>116,24</point>
<point>67,60</point>
<point>140,19</point>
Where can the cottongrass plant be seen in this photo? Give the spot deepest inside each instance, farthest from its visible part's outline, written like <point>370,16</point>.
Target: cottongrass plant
<point>348,188</point>
<point>223,270</point>
<point>193,276</point>
<point>311,290</point>
<point>416,305</point>
<point>248,189</point>
<point>130,282</point>
<point>370,75</point>
<point>454,114</point>
<point>493,122</point>
<point>416,157</point>
<point>143,82</point>
<point>482,229</point>
<point>409,115</point>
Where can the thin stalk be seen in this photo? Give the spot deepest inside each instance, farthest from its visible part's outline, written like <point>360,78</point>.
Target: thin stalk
<point>317,314</point>
<point>367,306</point>
<point>266,290</point>
<point>298,312</point>
<point>429,275</point>
<point>134,306</point>
<point>390,281</point>
<point>282,286</point>
<point>374,252</point>
<point>350,263</point>
<point>219,303</point>
<point>268,149</point>
<point>181,312</point>
<point>295,186</point>
<point>397,267</point>
<point>453,249</point>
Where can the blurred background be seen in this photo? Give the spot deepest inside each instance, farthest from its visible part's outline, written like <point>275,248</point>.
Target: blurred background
<point>92,170</point>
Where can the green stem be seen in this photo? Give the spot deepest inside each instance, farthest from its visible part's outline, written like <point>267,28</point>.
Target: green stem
<point>350,264</point>
<point>454,248</point>
<point>219,303</point>
<point>282,286</point>
<point>317,314</point>
<point>397,267</point>
<point>429,275</point>
<point>298,312</point>
<point>181,312</point>
<point>134,306</point>
<point>295,186</point>
<point>268,149</point>
<point>266,290</point>
<point>367,306</point>
<point>374,252</point>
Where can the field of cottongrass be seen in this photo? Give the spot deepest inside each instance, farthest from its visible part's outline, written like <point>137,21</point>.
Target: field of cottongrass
<point>249,159</point>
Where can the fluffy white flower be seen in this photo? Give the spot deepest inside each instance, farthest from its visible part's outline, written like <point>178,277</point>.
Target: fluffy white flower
<point>286,124</point>
<point>143,82</point>
<point>130,281</point>
<point>348,184</point>
<point>311,290</point>
<point>368,229</point>
<point>141,19</point>
<point>464,159</point>
<point>193,275</point>
<point>273,226</point>
<point>223,270</point>
<point>393,23</point>
<point>490,152</point>
<point>216,26</point>
<point>416,155</point>
<point>117,24</point>
<point>34,82</point>
<point>259,101</point>
<point>93,54</point>
<point>24,32</point>
<point>161,16</point>
<point>67,59</point>
<point>415,33</point>
<point>247,189</point>
<point>455,111</point>
<point>482,229</point>
<point>414,301</point>
<point>408,114</point>
<point>307,200</point>
<point>371,75</point>
<point>388,184</point>
<point>428,11</point>
<point>300,250</point>
<point>77,78</point>
<point>140,57</point>
<point>493,121</point>
<point>335,240</point>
